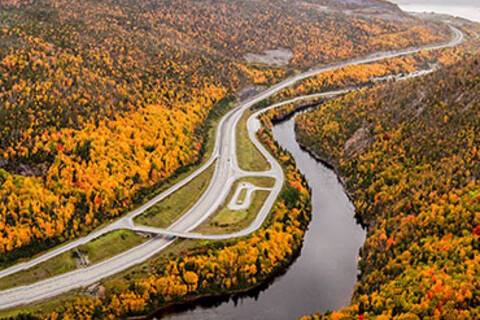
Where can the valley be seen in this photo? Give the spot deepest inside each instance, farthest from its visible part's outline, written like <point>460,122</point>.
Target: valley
<point>111,213</point>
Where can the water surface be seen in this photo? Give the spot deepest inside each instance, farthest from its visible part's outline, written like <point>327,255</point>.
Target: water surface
<point>468,9</point>
<point>323,276</point>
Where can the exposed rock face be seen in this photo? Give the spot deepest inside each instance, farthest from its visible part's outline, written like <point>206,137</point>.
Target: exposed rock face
<point>277,57</point>
<point>28,170</point>
<point>353,4</point>
<point>249,92</point>
<point>360,140</point>
<point>25,169</point>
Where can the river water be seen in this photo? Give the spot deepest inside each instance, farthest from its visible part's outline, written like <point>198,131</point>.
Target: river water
<point>468,9</point>
<point>323,276</point>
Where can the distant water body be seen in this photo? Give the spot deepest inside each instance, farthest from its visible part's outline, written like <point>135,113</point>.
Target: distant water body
<point>468,9</point>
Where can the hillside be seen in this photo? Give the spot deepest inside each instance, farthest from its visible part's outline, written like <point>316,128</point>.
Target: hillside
<point>101,101</point>
<point>408,154</point>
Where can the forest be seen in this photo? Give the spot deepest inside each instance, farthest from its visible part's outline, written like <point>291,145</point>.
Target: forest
<point>409,159</point>
<point>233,266</point>
<point>102,100</point>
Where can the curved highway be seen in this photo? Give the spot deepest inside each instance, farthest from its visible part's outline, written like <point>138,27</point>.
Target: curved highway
<point>226,173</point>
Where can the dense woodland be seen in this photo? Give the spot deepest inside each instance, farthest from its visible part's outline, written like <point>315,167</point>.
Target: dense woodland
<point>408,154</point>
<point>370,74</point>
<point>101,100</point>
<point>213,268</point>
<point>363,76</point>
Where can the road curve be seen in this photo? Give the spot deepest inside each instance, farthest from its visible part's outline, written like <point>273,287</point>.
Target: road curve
<point>237,204</point>
<point>127,221</point>
<point>226,172</point>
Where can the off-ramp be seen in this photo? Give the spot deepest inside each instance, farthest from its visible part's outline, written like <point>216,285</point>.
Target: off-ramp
<point>226,173</point>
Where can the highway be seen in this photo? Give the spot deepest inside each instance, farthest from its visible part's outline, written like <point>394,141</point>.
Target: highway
<point>227,171</point>
<point>243,204</point>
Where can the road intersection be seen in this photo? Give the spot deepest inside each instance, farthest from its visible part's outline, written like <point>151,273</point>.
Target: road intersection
<point>227,172</point>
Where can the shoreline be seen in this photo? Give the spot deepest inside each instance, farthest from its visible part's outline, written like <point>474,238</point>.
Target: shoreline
<point>194,301</point>
<point>213,299</point>
<point>323,160</point>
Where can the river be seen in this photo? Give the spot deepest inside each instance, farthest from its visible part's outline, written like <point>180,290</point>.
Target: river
<point>468,9</point>
<point>323,276</point>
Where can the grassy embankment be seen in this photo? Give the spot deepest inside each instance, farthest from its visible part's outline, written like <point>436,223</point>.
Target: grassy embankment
<point>225,220</point>
<point>249,157</point>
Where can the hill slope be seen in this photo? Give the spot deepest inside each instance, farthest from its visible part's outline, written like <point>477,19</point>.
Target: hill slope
<point>100,100</point>
<point>409,157</point>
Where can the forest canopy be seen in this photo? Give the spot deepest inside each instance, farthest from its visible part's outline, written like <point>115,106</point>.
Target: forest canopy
<point>100,100</point>
<point>409,156</point>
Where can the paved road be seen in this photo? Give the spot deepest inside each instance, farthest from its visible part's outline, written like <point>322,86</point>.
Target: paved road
<point>238,203</point>
<point>226,172</point>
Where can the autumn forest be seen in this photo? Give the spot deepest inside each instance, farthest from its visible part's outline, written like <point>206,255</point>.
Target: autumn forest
<point>105,104</point>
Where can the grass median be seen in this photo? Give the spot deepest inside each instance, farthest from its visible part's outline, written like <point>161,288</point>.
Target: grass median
<point>167,211</point>
<point>95,251</point>
<point>249,157</point>
<point>225,220</point>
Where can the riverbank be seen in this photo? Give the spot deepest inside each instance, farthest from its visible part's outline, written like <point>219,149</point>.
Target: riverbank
<point>413,180</point>
<point>236,265</point>
<point>323,275</point>
<point>130,307</point>
<point>213,299</point>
